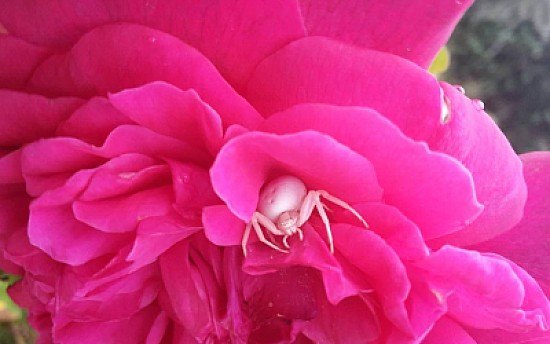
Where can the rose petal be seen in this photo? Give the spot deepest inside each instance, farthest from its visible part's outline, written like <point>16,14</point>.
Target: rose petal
<point>170,111</point>
<point>446,330</point>
<point>308,70</point>
<point>415,30</point>
<point>25,117</point>
<point>528,243</point>
<point>474,139</point>
<point>246,162</point>
<point>93,121</point>
<point>431,189</point>
<point>235,35</point>
<point>104,60</point>
<point>18,60</point>
<point>221,226</point>
<point>123,214</point>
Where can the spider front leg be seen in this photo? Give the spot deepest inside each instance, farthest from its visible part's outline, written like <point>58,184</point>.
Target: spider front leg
<point>256,222</point>
<point>343,205</point>
<point>312,201</point>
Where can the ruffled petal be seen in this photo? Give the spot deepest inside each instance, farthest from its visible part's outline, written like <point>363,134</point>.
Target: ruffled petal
<point>234,34</point>
<point>245,163</point>
<point>528,243</point>
<point>18,60</point>
<point>433,190</point>
<point>415,30</point>
<point>116,57</point>
<point>170,111</point>
<point>25,117</point>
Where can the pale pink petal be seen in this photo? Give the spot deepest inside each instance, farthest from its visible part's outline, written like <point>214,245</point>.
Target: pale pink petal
<point>245,163</point>
<point>435,191</point>
<point>170,111</point>
<point>105,60</point>
<point>528,243</point>
<point>234,34</point>
<point>25,117</point>
<point>448,331</point>
<point>415,30</point>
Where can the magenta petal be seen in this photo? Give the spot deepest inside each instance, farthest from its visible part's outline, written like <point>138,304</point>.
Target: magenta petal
<point>474,139</point>
<point>386,25</point>
<point>235,35</point>
<point>486,290</point>
<point>124,213</point>
<point>25,117</point>
<point>350,321</point>
<point>18,60</point>
<point>246,162</point>
<point>104,60</point>
<point>433,190</point>
<point>93,121</point>
<point>528,243</point>
<point>309,70</point>
<point>446,330</point>
<point>155,235</point>
<point>170,111</point>
<point>53,228</point>
<point>221,226</point>
<point>381,267</point>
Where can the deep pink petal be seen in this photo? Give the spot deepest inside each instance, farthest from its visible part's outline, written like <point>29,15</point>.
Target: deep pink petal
<point>415,30</point>
<point>433,190</point>
<point>486,291</point>
<point>350,321</point>
<point>115,57</point>
<point>247,162</point>
<point>474,139</point>
<point>221,226</point>
<point>448,331</point>
<point>116,331</point>
<point>191,287</point>
<point>308,70</point>
<point>25,117</point>
<point>10,168</point>
<point>53,228</point>
<point>528,243</point>
<point>124,175</point>
<point>18,60</point>
<point>235,35</point>
<point>124,213</point>
<point>170,111</point>
<point>381,267</point>
<point>536,301</point>
<point>112,301</point>
<point>155,235</point>
<point>93,121</point>
<point>192,188</point>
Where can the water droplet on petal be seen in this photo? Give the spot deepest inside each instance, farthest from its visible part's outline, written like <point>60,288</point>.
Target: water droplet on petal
<point>460,89</point>
<point>478,104</point>
<point>445,115</point>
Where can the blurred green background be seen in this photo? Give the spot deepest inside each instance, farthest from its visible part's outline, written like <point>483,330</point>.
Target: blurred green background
<point>500,53</point>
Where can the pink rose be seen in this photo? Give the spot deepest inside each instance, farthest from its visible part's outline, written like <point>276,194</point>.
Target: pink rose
<point>139,136</point>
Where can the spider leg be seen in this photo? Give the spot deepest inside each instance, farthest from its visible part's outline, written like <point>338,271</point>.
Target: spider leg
<point>324,217</point>
<point>285,242</point>
<point>344,205</point>
<point>300,234</point>
<point>260,219</point>
<point>245,236</point>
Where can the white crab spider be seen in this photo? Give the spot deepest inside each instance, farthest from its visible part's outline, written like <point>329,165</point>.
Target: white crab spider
<point>284,206</point>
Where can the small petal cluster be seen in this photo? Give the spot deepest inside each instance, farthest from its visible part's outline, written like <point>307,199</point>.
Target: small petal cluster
<point>137,140</point>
